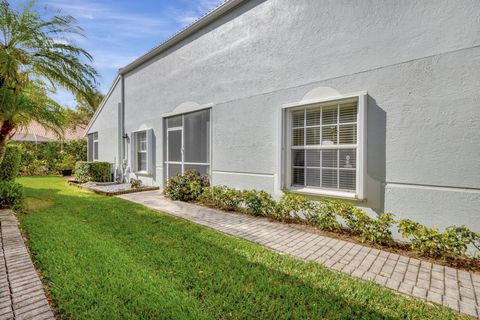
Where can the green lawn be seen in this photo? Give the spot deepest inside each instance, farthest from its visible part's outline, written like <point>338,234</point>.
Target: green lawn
<point>106,258</point>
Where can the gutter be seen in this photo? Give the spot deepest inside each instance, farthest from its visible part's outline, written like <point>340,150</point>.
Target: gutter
<point>121,131</point>
<point>194,27</point>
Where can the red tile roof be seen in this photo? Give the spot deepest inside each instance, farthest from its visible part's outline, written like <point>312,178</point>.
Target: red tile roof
<point>35,132</point>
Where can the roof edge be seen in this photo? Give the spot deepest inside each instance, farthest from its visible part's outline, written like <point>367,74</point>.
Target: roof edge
<point>100,107</point>
<point>181,35</point>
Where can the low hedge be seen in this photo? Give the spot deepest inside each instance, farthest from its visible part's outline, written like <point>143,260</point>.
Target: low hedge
<point>331,215</point>
<point>11,195</point>
<point>93,171</point>
<point>10,165</point>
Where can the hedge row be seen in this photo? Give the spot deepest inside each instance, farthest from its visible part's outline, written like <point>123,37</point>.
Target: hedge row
<point>11,193</point>
<point>93,171</point>
<point>326,215</point>
<point>10,165</point>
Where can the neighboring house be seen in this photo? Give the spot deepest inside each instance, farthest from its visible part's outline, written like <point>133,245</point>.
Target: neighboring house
<point>36,133</point>
<point>373,101</point>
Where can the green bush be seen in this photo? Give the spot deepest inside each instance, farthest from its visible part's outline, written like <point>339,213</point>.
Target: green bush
<point>323,216</point>
<point>66,162</point>
<point>186,187</point>
<point>135,183</point>
<point>292,205</point>
<point>222,197</point>
<point>93,171</point>
<point>431,242</point>
<point>48,157</point>
<point>370,229</point>
<point>77,149</point>
<point>10,165</point>
<point>11,195</point>
<point>258,203</point>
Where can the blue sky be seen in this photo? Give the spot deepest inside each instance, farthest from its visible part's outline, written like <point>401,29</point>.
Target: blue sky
<point>119,31</point>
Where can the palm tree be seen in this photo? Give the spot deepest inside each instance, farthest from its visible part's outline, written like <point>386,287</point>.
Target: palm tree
<point>36,57</point>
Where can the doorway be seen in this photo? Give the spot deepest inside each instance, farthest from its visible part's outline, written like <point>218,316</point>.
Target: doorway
<point>188,143</point>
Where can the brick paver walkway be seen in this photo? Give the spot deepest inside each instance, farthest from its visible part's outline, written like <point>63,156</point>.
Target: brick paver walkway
<point>21,291</point>
<point>456,289</point>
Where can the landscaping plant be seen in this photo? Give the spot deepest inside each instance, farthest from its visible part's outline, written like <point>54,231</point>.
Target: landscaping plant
<point>258,203</point>
<point>186,187</point>
<point>96,171</point>
<point>326,214</point>
<point>431,242</point>
<point>11,195</point>
<point>9,168</point>
<point>33,63</point>
<point>222,197</point>
<point>135,183</point>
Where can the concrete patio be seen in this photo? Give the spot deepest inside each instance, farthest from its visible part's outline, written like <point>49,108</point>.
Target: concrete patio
<point>21,292</point>
<point>456,289</point>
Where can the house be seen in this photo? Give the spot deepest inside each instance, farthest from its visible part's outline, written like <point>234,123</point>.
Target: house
<point>36,133</point>
<point>377,102</point>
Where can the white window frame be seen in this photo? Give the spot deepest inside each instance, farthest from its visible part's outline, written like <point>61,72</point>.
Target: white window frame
<point>135,152</point>
<point>361,145</point>
<point>95,142</point>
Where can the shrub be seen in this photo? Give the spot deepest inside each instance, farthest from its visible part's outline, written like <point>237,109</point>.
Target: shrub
<point>135,183</point>
<point>93,171</point>
<point>186,187</point>
<point>222,197</point>
<point>47,157</point>
<point>258,203</point>
<point>458,238</point>
<point>66,162</point>
<point>11,195</point>
<point>293,205</point>
<point>376,230</point>
<point>431,242</point>
<point>10,165</point>
<point>76,149</point>
<point>323,216</point>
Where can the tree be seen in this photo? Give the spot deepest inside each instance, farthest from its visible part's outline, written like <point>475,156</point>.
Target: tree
<point>36,56</point>
<point>85,109</point>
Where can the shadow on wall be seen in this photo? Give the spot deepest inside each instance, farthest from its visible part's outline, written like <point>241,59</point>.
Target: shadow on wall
<point>376,158</point>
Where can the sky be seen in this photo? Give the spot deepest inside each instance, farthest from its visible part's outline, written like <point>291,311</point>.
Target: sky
<point>118,31</point>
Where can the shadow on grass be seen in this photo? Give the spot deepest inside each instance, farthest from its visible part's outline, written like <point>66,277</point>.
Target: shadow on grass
<point>226,277</point>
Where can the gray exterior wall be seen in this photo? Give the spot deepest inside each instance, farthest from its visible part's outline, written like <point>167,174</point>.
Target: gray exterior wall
<point>418,60</point>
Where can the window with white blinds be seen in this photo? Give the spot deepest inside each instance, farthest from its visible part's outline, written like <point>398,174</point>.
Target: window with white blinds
<point>141,141</point>
<point>142,158</point>
<point>323,146</point>
<point>92,146</point>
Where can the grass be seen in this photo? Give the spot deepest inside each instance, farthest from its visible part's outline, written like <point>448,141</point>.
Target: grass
<point>105,257</point>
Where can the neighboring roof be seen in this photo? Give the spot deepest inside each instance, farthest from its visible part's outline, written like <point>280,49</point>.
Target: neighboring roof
<point>35,132</point>
<point>201,22</point>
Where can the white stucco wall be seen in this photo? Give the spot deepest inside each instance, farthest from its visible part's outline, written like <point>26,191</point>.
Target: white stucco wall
<point>418,60</point>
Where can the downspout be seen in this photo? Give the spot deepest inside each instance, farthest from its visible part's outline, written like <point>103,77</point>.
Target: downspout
<point>121,133</point>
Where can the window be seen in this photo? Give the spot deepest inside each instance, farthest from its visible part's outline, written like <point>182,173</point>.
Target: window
<point>324,147</point>
<point>141,141</point>
<point>93,146</point>
<point>142,154</point>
